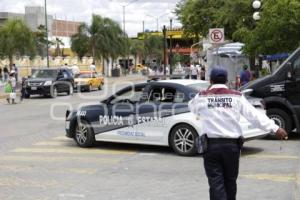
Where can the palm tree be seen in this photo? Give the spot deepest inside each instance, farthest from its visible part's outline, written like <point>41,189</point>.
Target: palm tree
<point>58,42</point>
<point>16,39</point>
<point>137,49</point>
<point>104,39</point>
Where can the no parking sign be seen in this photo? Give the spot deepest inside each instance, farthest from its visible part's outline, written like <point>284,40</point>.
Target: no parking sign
<point>216,35</point>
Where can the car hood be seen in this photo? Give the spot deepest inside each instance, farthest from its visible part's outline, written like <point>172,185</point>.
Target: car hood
<point>257,83</point>
<point>40,79</point>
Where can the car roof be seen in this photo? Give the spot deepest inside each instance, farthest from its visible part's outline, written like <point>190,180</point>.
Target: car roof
<point>183,81</point>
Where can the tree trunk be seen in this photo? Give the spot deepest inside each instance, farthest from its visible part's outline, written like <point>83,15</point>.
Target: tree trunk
<point>10,58</point>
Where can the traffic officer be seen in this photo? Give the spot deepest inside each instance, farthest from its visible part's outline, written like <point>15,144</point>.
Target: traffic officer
<point>220,110</point>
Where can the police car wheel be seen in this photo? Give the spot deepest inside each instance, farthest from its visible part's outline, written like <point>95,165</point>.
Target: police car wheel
<point>281,118</point>
<point>84,135</point>
<point>182,140</point>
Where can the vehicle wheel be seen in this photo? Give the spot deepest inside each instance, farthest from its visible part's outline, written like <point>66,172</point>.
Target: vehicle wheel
<point>281,118</point>
<point>71,91</point>
<point>183,139</point>
<point>54,92</point>
<point>84,135</point>
<point>27,96</point>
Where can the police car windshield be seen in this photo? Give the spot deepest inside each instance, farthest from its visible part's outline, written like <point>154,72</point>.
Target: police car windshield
<point>199,86</point>
<point>45,74</point>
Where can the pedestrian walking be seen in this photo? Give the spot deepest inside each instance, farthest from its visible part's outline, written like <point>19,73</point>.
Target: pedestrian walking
<point>23,89</point>
<point>1,75</point>
<point>194,72</point>
<point>245,75</point>
<point>221,109</point>
<point>15,69</point>
<point>5,73</point>
<point>202,73</point>
<point>93,67</point>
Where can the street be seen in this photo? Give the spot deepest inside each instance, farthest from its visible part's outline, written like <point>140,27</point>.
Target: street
<point>39,162</point>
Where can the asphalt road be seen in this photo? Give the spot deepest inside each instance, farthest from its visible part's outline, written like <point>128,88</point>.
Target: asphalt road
<point>38,163</point>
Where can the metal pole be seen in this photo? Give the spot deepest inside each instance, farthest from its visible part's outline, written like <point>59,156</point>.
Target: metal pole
<point>157,24</point>
<point>165,49</point>
<point>171,53</point>
<point>46,26</point>
<point>125,60</point>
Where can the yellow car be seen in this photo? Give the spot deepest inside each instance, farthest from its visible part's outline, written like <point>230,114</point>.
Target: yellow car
<point>88,80</point>
<point>139,67</point>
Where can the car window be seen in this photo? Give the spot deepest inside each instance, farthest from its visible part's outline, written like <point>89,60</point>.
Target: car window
<point>199,86</point>
<point>179,97</point>
<point>44,74</point>
<point>162,94</point>
<point>134,95</point>
<point>297,66</point>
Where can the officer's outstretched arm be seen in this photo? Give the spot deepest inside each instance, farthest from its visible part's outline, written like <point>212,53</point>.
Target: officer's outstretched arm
<point>256,118</point>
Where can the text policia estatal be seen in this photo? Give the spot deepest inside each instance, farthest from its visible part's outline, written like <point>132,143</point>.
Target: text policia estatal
<point>120,120</point>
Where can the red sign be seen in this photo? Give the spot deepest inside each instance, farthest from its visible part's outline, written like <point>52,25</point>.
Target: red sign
<point>216,35</point>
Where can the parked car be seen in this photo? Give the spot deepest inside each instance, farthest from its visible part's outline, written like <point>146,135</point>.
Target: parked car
<point>154,113</point>
<point>88,80</point>
<point>49,82</point>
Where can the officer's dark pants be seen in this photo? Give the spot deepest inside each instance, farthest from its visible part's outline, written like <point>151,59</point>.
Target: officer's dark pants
<point>221,163</point>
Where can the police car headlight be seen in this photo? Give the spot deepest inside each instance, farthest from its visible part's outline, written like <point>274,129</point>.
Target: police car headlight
<point>48,83</point>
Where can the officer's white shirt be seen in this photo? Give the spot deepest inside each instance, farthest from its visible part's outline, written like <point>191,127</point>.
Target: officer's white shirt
<point>220,110</point>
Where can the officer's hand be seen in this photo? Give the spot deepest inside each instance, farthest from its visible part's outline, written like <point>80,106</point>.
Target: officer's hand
<point>281,134</point>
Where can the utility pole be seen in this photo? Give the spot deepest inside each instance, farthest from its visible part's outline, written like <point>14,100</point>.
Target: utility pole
<point>171,46</point>
<point>125,60</point>
<point>47,42</point>
<point>165,48</point>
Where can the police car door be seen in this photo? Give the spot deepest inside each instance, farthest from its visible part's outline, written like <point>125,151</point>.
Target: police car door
<point>120,119</point>
<point>150,120</point>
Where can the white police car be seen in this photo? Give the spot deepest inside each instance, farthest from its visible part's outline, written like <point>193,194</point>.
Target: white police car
<point>154,113</point>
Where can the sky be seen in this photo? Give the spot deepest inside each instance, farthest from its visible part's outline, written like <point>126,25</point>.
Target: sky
<point>81,10</point>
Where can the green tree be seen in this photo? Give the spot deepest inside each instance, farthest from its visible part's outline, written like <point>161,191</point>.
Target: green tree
<point>153,48</point>
<point>16,39</point>
<point>80,41</point>
<point>104,39</point>
<point>137,49</point>
<point>278,29</point>
<point>197,16</point>
<point>58,43</point>
<point>40,38</point>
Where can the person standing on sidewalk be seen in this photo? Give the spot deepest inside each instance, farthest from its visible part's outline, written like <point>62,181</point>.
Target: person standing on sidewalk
<point>15,69</point>
<point>5,73</point>
<point>194,72</point>
<point>221,110</point>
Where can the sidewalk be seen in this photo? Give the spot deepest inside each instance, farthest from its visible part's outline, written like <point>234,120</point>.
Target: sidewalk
<point>108,80</point>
